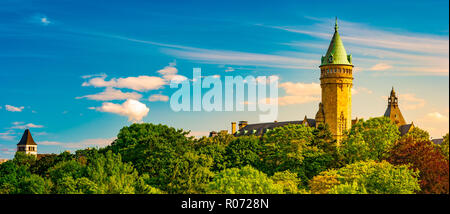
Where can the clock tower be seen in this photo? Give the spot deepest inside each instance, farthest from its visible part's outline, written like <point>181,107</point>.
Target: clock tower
<point>336,80</point>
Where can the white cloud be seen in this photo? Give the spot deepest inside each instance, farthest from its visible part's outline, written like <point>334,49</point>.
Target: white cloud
<point>169,73</point>
<point>94,75</point>
<point>13,108</point>
<point>299,93</point>
<point>98,142</point>
<point>112,94</point>
<point>158,97</point>
<point>361,90</point>
<point>242,58</point>
<point>380,67</point>
<point>21,125</point>
<point>437,116</point>
<point>301,89</point>
<point>291,100</point>
<point>436,123</point>
<point>229,69</point>
<point>133,109</point>
<point>8,135</point>
<point>140,83</point>
<point>198,134</point>
<point>409,101</point>
<point>45,21</point>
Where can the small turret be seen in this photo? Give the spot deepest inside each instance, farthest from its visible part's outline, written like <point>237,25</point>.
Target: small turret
<point>393,111</point>
<point>320,115</point>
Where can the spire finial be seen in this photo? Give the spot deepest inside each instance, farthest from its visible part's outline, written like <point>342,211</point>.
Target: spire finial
<point>336,25</point>
<point>392,91</point>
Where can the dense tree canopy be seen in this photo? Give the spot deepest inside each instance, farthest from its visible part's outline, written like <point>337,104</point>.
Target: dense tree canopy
<point>417,134</point>
<point>292,159</point>
<point>423,156</point>
<point>246,180</point>
<point>367,177</point>
<point>166,155</point>
<point>369,140</point>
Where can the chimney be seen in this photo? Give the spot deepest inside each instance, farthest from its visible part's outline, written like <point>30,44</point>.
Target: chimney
<point>242,124</point>
<point>233,127</point>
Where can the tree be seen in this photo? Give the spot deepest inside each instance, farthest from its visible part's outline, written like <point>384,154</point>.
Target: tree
<point>423,156</point>
<point>283,148</point>
<point>443,147</point>
<point>16,178</point>
<point>367,177</point>
<point>214,147</point>
<point>243,181</point>
<point>243,151</point>
<point>166,155</point>
<point>288,181</point>
<point>417,134</point>
<point>304,150</point>
<point>352,188</point>
<point>369,140</point>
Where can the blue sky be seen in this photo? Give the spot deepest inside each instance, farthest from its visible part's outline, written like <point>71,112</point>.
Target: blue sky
<point>54,55</point>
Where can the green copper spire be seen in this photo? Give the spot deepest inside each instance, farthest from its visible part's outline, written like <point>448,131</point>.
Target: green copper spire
<point>336,53</point>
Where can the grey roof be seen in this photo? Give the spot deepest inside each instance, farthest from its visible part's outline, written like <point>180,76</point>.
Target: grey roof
<point>404,129</point>
<point>387,113</point>
<point>437,141</point>
<point>27,139</point>
<point>261,128</point>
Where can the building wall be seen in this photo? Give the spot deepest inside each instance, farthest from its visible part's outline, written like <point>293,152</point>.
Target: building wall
<point>29,149</point>
<point>336,82</point>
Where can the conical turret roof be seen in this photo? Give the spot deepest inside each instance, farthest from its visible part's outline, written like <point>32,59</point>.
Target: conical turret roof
<point>27,139</point>
<point>336,53</point>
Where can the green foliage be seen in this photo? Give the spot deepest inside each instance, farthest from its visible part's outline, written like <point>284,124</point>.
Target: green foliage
<point>214,147</point>
<point>369,140</point>
<point>443,147</point>
<point>243,151</point>
<point>367,177</point>
<point>166,155</point>
<point>283,148</point>
<point>288,181</point>
<point>353,188</point>
<point>246,180</point>
<point>292,159</point>
<point>304,150</point>
<point>111,175</point>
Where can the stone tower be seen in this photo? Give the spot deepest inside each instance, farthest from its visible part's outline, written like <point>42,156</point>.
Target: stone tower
<point>336,81</point>
<point>27,144</point>
<point>393,111</point>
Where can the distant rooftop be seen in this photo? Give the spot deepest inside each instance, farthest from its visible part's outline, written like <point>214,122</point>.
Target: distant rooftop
<point>27,139</point>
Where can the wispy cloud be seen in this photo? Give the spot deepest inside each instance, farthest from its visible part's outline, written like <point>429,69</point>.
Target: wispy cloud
<point>140,83</point>
<point>158,97</point>
<point>98,142</point>
<point>381,50</point>
<point>22,125</point>
<point>13,108</point>
<point>112,94</point>
<point>41,19</point>
<point>380,67</point>
<point>8,135</point>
